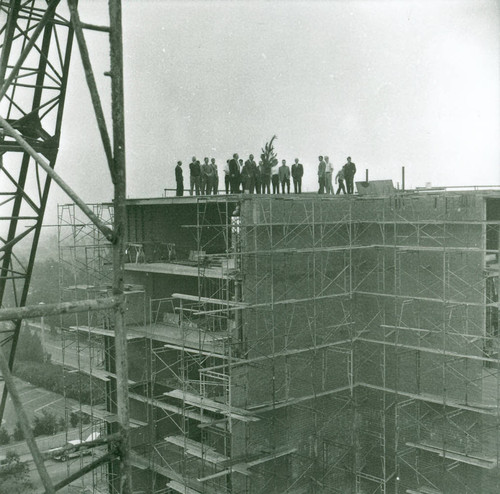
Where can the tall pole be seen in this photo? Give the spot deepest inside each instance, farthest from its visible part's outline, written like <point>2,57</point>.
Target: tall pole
<point>42,331</point>
<point>117,109</point>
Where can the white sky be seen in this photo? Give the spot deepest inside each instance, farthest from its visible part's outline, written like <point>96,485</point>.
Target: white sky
<point>388,82</point>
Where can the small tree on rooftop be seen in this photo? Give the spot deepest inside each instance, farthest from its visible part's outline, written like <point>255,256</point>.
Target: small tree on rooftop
<point>268,155</point>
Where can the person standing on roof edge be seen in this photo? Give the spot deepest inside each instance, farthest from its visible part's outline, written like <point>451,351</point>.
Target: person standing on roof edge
<point>257,177</point>
<point>227,177</point>
<point>297,173</point>
<point>241,165</point>
<point>265,178</point>
<point>194,176</point>
<point>234,174</point>
<point>246,173</point>
<point>179,180</point>
<point>207,177</point>
<point>340,179</point>
<point>328,176</point>
<point>216,176</point>
<point>250,167</point>
<point>321,175</point>
<point>349,172</point>
<point>284,174</point>
<point>275,176</point>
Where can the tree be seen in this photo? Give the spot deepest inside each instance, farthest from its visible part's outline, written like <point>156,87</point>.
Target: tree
<point>18,434</point>
<point>268,155</point>
<point>30,347</point>
<point>14,475</point>
<point>4,436</point>
<point>46,424</point>
<point>61,424</point>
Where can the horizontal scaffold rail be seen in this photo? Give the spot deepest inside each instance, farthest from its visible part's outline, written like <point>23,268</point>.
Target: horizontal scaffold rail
<point>219,271</point>
<point>475,460</point>
<point>434,350</point>
<point>410,298</point>
<point>265,358</point>
<point>270,406</point>
<point>438,400</point>
<point>350,221</point>
<point>232,305</point>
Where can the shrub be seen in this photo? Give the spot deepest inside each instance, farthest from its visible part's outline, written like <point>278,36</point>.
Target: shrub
<point>29,347</point>
<point>74,419</point>
<point>61,425</point>
<point>18,434</point>
<point>14,474</point>
<point>46,424</point>
<point>4,436</point>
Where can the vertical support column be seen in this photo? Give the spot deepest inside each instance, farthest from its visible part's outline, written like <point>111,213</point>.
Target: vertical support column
<point>117,108</point>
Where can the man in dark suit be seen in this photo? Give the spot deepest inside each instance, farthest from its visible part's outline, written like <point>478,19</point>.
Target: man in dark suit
<point>194,176</point>
<point>297,173</point>
<point>179,179</point>
<point>349,171</point>
<point>234,174</point>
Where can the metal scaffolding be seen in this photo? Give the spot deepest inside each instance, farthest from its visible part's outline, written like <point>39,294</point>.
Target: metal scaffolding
<point>317,345</point>
<point>431,327</point>
<point>36,40</point>
<point>228,384</point>
<point>337,312</point>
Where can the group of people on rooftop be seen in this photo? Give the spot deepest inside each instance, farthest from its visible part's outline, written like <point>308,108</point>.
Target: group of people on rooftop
<point>250,177</point>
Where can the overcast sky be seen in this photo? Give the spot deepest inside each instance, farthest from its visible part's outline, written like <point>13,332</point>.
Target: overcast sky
<point>388,82</point>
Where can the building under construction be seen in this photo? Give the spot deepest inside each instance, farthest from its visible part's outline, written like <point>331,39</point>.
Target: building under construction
<point>258,344</point>
<point>301,344</point>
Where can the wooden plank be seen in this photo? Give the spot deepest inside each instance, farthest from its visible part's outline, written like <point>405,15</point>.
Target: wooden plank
<point>183,489</point>
<point>270,457</point>
<point>197,449</point>
<point>423,490</point>
<point>215,475</point>
<point>195,350</point>
<point>176,269</point>
<point>211,405</point>
<point>478,461</point>
<point>207,300</point>
<point>172,408</point>
<point>104,332</point>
